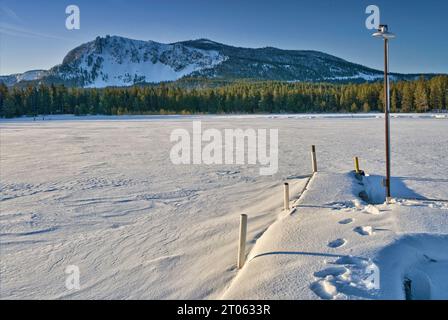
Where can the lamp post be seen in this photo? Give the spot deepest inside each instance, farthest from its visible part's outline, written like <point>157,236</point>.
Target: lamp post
<point>386,36</point>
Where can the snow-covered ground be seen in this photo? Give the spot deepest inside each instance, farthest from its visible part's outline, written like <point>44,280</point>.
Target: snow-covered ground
<point>103,195</point>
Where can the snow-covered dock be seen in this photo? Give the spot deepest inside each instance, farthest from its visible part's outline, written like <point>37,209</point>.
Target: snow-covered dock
<point>336,246</point>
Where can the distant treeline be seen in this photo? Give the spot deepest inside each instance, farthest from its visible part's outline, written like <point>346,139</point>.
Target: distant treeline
<point>421,95</point>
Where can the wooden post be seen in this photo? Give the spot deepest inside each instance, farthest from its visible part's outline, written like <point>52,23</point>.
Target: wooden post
<point>313,157</point>
<point>286,196</point>
<point>356,164</point>
<point>242,241</point>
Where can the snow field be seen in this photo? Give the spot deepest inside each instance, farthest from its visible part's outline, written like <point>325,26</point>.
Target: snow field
<point>103,195</point>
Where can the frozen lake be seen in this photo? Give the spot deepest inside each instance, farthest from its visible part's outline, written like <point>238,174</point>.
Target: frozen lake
<point>103,195</point>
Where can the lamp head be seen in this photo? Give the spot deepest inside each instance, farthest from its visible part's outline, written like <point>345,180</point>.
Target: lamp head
<point>383,32</point>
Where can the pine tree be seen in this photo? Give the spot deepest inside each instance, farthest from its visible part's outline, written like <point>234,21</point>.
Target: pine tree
<point>11,107</point>
<point>436,94</point>
<point>421,97</point>
<point>3,96</point>
<point>407,102</point>
<point>394,101</point>
<point>380,100</point>
<point>366,107</point>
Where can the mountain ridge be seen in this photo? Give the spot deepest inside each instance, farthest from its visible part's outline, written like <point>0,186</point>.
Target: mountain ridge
<point>119,61</point>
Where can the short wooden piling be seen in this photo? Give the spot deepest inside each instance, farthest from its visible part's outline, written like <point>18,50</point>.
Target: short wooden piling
<point>313,157</point>
<point>242,241</point>
<point>286,196</point>
<point>356,160</point>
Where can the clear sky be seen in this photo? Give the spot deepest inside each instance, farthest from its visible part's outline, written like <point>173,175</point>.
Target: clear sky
<point>33,33</point>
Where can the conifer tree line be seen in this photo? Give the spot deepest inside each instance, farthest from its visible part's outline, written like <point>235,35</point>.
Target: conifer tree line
<point>422,95</point>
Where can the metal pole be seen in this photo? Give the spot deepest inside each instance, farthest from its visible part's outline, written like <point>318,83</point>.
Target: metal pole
<point>386,115</point>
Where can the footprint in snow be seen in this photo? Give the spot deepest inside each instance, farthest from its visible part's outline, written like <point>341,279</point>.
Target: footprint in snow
<point>365,231</point>
<point>346,221</point>
<point>346,277</point>
<point>337,243</point>
<point>331,281</point>
<point>344,205</point>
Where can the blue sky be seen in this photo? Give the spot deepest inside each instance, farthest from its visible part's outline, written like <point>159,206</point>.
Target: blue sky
<point>33,33</point>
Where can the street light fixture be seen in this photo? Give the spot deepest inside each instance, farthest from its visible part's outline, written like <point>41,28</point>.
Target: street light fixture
<point>384,33</point>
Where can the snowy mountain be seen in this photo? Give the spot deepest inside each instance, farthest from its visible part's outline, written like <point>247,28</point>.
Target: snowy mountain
<point>276,64</point>
<point>26,76</point>
<point>118,61</point>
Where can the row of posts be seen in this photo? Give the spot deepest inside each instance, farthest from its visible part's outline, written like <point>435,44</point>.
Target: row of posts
<point>243,217</point>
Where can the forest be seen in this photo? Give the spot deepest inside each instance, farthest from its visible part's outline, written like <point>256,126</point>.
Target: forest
<point>205,97</point>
